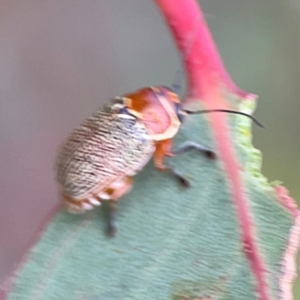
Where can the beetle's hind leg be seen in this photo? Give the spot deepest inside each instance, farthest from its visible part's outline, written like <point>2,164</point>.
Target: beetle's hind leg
<point>112,194</point>
<point>111,222</point>
<point>189,145</point>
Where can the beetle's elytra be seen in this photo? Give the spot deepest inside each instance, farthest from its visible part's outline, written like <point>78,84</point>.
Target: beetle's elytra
<point>99,159</point>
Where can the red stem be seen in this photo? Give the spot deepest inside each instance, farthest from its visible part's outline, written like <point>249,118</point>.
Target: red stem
<point>209,82</point>
<point>202,62</point>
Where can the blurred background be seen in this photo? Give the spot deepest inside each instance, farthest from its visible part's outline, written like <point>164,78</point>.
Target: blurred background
<point>59,60</point>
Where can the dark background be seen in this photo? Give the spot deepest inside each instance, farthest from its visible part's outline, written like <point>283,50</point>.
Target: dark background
<point>59,60</point>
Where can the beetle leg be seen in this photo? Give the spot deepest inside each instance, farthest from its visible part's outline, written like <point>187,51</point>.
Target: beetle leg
<point>188,145</point>
<point>167,148</point>
<point>181,179</point>
<point>163,149</point>
<point>112,194</point>
<point>112,224</point>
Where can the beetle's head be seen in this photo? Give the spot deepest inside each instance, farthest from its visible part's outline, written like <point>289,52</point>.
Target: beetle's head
<point>158,108</point>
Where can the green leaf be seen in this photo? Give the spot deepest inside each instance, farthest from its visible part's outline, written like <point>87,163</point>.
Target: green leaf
<point>172,243</point>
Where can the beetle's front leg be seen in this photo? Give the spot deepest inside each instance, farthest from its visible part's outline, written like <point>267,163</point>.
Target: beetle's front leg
<point>181,179</point>
<point>188,145</point>
<point>163,148</point>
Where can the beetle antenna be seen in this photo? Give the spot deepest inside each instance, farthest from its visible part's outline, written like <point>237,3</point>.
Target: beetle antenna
<point>191,112</point>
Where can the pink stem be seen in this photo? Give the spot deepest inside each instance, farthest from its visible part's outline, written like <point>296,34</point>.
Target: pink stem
<point>209,82</point>
<point>288,267</point>
<point>203,64</point>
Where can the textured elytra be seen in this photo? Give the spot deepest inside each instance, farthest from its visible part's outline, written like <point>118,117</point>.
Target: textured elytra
<point>108,146</point>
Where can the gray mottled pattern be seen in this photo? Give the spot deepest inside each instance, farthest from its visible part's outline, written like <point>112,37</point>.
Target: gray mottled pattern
<point>105,148</point>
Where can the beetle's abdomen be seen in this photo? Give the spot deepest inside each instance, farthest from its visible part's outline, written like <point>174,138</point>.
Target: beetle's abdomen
<point>106,148</point>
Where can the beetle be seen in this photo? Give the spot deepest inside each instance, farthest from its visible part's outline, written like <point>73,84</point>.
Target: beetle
<point>99,159</point>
